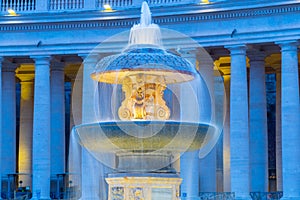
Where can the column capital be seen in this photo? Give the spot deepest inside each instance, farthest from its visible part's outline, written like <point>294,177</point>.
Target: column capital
<point>238,49</point>
<point>256,55</point>
<point>25,73</point>
<point>223,65</point>
<point>89,56</point>
<point>57,66</point>
<point>41,59</point>
<point>90,60</point>
<point>26,78</point>
<point>8,66</point>
<point>288,45</point>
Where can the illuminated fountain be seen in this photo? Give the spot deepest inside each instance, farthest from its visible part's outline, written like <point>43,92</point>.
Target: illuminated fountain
<point>150,123</point>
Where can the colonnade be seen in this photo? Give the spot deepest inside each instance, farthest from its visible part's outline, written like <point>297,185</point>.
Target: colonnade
<point>245,149</point>
<point>245,162</point>
<point>41,121</point>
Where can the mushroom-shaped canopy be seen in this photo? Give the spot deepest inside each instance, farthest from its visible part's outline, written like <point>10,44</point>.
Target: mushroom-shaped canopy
<point>146,60</point>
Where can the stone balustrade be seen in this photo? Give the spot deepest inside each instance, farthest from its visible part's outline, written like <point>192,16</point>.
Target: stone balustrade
<point>18,5</point>
<point>65,5</point>
<point>29,6</point>
<point>36,6</point>
<point>266,195</point>
<point>216,196</point>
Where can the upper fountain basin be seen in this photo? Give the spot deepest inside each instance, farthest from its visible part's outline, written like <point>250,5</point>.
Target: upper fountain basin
<point>141,59</point>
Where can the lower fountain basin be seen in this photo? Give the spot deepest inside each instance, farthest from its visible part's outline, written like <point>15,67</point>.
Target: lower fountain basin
<point>144,136</point>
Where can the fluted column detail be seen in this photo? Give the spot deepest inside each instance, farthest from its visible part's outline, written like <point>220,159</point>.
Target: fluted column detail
<point>90,189</point>
<point>239,126</point>
<point>226,136</point>
<point>208,164</point>
<point>57,118</point>
<point>8,146</point>
<point>258,124</point>
<point>1,133</point>
<point>220,102</point>
<point>41,129</point>
<point>26,125</point>
<point>223,64</point>
<point>189,161</point>
<point>278,131</point>
<point>290,120</point>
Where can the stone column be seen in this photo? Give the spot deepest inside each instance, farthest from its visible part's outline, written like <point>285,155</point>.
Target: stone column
<point>26,123</point>
<point>278,131</point>
<point>223,64</point>
<point>208,164</point>
<point>189,172</point>
<point>1,133</point>
<point>239,130</point>
<point>290,120</point>
<point>57,118</point>
<point>74,154</point>
<point>220,102</point>
<point>41,129</point>
<point>72,121</point>
<point>8,146</point>
<point>226,136</point>
<point>258,124</point>
<point>189,161</point>
<point>90,167</point>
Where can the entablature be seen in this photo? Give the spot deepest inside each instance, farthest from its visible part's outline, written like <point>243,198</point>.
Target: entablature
<point>82,33</point>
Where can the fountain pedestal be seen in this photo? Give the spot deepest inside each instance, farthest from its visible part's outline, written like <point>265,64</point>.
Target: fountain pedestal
<point>156,187</point>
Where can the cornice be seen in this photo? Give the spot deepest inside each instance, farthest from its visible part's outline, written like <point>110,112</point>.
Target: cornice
<point>95,21</point>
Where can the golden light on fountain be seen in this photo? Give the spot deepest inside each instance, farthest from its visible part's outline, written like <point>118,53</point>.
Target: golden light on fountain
<point>142,84</point>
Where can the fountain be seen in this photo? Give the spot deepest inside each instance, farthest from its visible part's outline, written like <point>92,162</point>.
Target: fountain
<point>151,121</point>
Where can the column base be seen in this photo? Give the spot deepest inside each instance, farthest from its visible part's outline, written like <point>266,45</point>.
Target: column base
<point>146,187</point>
<point>189,198</point>
<point>38,197</point>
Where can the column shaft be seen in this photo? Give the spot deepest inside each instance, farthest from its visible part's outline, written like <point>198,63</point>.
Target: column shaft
<point>189,172</point>
<point>220,103</point>
<point>278,132</point>
<point>189,161</point>
<point>290,120</point>
<point>41,129</point>
<point>1,133</point>
<point>258,125</point>
<point>90,185</point>
<point>8,120</point>
<point>208,164</point>
<point>57,119</point>
<point>25,133</point>
<point>226,136</point>
<point>239,130</point>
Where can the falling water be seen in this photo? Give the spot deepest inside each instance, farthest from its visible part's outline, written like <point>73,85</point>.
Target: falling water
<point>74,165</point>
<point>145,33</point>
<point>79,189</point>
